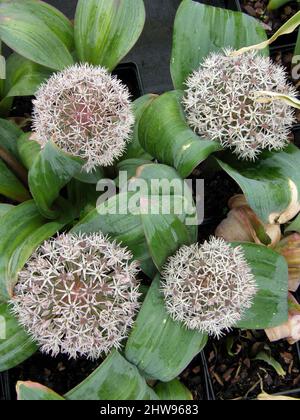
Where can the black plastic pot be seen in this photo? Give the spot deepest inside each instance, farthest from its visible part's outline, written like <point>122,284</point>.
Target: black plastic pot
<point>129,74</point>
<point>225,4</point>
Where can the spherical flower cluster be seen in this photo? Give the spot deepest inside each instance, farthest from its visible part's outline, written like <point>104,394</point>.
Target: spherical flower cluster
<point>77,295</point>
<point>86,112</point>
<point>208,287</point>
<point>221,104</point>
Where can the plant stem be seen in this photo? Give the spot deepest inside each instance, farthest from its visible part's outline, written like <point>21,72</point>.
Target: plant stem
<point>14,165</point>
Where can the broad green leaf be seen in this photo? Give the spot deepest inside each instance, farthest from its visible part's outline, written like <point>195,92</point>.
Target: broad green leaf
<point>52,17</point>
<point>134,149</point>
<point>9,134</point>
<point>22,231</point>
<point>130,166</point>
<point>2,67</point>
<point>160,347</point>
<point>24,250</point>
<point>15,344</point>
<point>271,184</point>
<point>165,234</point>
<point>15,227</point>
<point>112,218</point>
<point>267,358</point>
<point>32,391</point>
<point>275,4</point>
<point>90,177</point>
<point>115,379</point>
<point>164,133</point>
<point>173,391</point>
<point>287,28</point>
<point>106,30</point>
<point>270,305</point>
<point>125,218</point>
<point>50,172</point>
<point>200,29</point>
<point>28,150</point>
<point>10,186</point>
<point>34,35</point>
<point>5,208</point>
<point>23,76</point>
<point>82,196</point>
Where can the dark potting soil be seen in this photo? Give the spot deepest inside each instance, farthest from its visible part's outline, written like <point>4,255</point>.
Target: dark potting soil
<point>272,19</point>
<point>236,375</point>
<point>58,373</point>
<point>193,377</point>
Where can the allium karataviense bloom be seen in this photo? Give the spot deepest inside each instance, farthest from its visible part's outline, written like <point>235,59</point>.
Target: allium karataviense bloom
<point>77,295</point>
<point>220,103</point>
<point>86,112</point>
<point>208,287</point>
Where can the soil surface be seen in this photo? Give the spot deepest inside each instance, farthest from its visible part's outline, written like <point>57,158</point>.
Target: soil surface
<point>236,375</point>
<point>273,20</point>
<point>58,373</point>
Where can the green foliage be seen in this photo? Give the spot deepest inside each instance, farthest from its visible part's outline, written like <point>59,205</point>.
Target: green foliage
<point>15,345</point>
<point>209,29</point>
<point>105,30</point>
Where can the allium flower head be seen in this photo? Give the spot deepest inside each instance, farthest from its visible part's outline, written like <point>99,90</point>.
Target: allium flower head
<point>208,287</point>
<point>221,105</point>
<point>77,295</point>
<point>86,112</point>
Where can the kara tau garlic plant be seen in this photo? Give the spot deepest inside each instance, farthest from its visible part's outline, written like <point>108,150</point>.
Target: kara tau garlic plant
<point>208,287</point>
<point>86,112</point>
<point>221,103</point>
<point>77,295</point>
